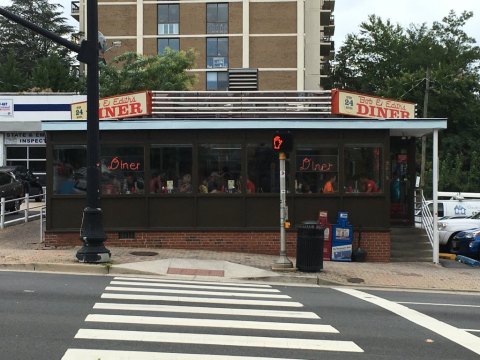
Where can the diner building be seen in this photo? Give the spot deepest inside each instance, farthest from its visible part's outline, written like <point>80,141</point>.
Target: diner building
<point>200,171</point>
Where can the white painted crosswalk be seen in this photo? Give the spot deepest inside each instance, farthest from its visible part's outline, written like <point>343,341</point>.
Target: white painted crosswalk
<point>189,318</point>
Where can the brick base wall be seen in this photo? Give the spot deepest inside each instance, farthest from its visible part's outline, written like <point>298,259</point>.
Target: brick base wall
<point>376,244</point>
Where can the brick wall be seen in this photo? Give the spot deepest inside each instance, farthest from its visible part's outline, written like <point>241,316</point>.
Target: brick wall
<point>376,244</point>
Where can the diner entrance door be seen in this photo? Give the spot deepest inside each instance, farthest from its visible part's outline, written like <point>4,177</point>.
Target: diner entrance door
<point>402,180</point>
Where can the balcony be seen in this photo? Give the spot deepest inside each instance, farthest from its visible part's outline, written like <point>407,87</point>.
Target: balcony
<point>75,10</point>
<point>328,5</point>
<point>326,46</point>
<point>241,104</point>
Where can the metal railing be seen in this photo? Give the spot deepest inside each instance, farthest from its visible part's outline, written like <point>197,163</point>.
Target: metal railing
<point>218,104</point>
<point>27,212</point>
<point>423,215</point>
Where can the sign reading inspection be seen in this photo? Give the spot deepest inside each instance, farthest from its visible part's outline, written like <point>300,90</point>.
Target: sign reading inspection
<point>117,107</point>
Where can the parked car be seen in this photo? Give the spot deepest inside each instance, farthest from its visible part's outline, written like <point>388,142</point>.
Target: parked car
<point>31,185</point>
<point>467,243</point>
<point>449,227</point>
<point>11,188</point>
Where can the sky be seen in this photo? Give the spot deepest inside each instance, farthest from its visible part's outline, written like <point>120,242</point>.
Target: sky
<point>350,13</point>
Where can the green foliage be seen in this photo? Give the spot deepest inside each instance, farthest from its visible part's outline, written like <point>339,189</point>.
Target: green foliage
<point>388,60</point>
<point>42,63</point>
<point>131,72</point>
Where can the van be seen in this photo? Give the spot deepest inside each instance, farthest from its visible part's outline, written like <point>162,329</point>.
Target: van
<point>457,208</point>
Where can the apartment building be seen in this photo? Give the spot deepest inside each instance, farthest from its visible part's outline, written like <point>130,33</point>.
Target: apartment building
<point>240,44</point>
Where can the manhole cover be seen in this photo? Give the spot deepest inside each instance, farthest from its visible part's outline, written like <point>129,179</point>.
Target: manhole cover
<point>355,280</point>
<point>144,253</point>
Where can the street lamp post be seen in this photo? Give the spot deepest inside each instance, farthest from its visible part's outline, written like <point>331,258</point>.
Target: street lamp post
<point>92,233</point>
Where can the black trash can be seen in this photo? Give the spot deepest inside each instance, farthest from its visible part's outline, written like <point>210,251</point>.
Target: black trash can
<point>310,246</point>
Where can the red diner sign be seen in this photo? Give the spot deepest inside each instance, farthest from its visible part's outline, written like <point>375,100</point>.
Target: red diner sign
<point>117,107</point>
<point>355,104</point>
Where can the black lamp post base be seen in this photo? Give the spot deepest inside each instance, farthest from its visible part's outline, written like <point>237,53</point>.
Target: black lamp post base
<point>93,237</point>
<point>93,254</point>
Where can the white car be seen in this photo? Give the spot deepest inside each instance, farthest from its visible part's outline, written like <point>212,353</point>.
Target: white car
<point>449,227</point>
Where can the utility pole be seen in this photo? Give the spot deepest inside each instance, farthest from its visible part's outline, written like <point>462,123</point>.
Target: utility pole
<point>424,138</point>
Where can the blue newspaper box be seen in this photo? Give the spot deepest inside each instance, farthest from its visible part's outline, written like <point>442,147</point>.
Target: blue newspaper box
<point>342,237</point>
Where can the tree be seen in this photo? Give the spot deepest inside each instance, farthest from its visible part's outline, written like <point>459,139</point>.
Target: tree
<point>392,61</point>
<point>131,72</point>
<point>11,80</point>
<point>29,61</point>
<point>28,46</point>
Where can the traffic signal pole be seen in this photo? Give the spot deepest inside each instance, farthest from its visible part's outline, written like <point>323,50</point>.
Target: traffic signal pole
<point>283,262</point>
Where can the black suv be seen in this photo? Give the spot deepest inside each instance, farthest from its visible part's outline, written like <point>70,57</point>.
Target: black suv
<point>11,188</point>
<point>30,182</point>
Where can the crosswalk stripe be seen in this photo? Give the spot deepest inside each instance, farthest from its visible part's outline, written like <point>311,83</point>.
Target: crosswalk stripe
<point>190,282</point>
<point>210,323</point>
<point>208,300</point>
<point>207,310</point>
<point>223,340</point>
<point>191,286</point>
<point>196,292</point>
<point>90,354</point>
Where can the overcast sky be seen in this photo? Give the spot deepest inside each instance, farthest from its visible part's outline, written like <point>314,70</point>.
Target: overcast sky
<point>350,13</point>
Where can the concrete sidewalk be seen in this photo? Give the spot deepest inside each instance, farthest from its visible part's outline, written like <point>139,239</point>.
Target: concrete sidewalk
<point>21,249</point>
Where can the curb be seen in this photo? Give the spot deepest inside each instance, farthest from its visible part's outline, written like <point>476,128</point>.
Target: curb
<point>69,268</point>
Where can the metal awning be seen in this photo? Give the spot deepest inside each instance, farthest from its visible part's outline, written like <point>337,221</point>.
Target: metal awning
<point>397,127</point>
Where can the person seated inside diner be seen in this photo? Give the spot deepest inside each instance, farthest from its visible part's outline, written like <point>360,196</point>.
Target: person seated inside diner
<point>186,184</point>
<point>328,187</point>
<point>155,184</point>
<point>132,185</point>
<point>368,185</point>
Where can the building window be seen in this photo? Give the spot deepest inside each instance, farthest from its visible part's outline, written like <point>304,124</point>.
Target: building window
<point>171,43</point>
<point>219,168</point>
<point>69,169</point>
<point>263,169</point>
<point>31,157</point>
<point>363,168</point>
<point>122,169</point>
<point>171,169</point>
<point>317,170</point>
<point>217,53</point>
<point>217,80</point>
<point>168,19</point>
<point>217,18</point>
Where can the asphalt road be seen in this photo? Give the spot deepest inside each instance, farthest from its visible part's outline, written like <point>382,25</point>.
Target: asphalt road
<point>73,317</point>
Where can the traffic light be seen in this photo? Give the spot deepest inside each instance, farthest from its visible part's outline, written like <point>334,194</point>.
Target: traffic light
<point>282,142</point>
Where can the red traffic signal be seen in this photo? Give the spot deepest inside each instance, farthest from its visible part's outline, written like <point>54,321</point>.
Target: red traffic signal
<point>282,142</point>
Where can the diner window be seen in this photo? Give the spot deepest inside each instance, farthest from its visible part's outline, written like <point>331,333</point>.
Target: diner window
<point>363,168</point>
<point>263,169</point>
<point>69,169</point>
<point>122,169</point>
<point>217,80</point>
<point>317,170</point>
<point>168,19</point>
<point>219,168</point>
<point>171,43</point>
<point>217,18</point>
<point>171,169</point>
<point>217,53</point>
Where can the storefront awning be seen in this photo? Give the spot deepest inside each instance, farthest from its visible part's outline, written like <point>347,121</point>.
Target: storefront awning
<point>397,127</point>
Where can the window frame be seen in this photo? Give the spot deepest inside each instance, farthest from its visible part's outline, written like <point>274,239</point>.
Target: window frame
<point>172,24</point>
<point>216,48</point>
<point>215,25</point>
